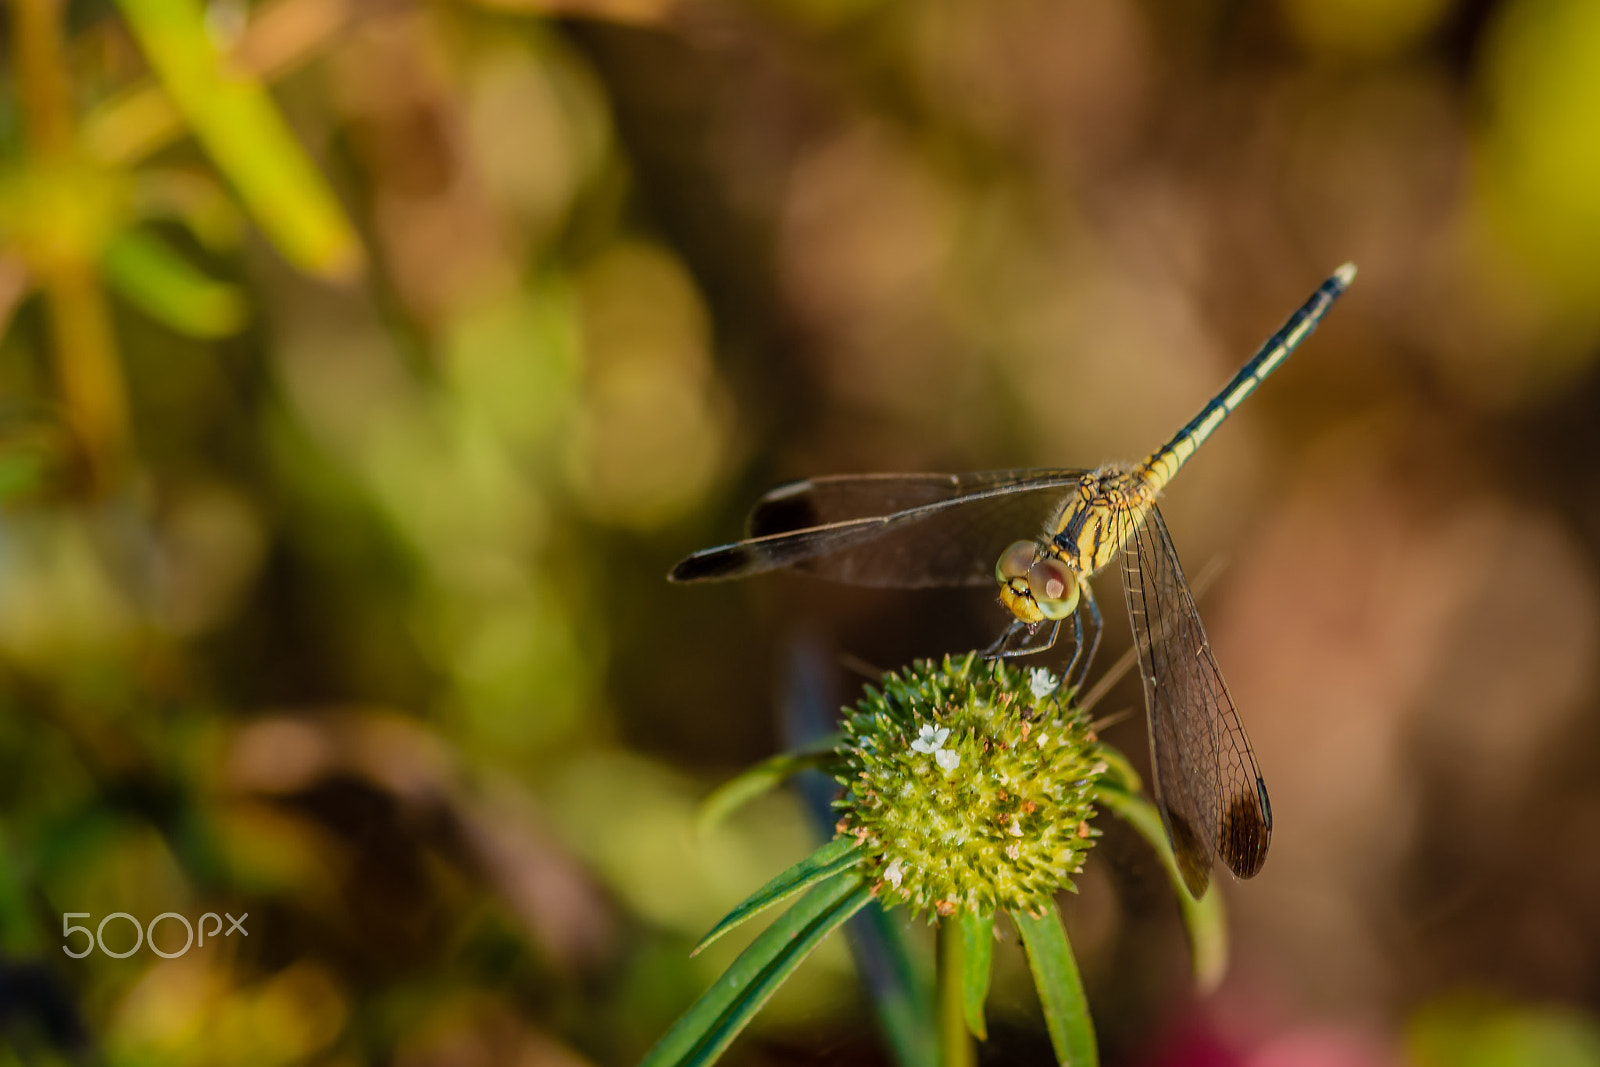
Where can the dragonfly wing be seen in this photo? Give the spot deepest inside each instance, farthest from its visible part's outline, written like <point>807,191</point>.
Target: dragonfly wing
<point>901,531</point>
<point>843,497</point>
<point>1208,786</point>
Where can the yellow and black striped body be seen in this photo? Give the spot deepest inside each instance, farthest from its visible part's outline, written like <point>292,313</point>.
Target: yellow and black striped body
<point>1109,504</point>
<point>1095,524</point>
<point>1097,521</point>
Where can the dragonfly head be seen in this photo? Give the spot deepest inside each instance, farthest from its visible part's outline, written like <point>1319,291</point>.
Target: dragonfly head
<point>1035,585</point>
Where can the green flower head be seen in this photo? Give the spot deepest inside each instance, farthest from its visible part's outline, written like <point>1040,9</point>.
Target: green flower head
<point>968,785</point>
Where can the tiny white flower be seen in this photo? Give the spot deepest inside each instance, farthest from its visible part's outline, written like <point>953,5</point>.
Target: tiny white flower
<point>893,874</point>
<point>1042,682</point>
<point>931,739</point>
<point>947,759</point>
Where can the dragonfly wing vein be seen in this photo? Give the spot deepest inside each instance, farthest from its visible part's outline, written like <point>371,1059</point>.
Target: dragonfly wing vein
<point>1208,785</point>
<point>842,497</point>
<point>952,539</point>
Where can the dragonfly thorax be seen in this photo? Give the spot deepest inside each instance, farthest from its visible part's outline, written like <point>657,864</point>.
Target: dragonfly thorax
<point>1096,521</point>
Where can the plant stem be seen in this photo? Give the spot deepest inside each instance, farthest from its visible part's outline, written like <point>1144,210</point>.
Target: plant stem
<point>40,76</point>
<point>87,369</point>
<point>955,1044</point>
<point>281,36</point>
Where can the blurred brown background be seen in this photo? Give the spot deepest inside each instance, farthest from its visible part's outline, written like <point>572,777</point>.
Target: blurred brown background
<point>367,363</point>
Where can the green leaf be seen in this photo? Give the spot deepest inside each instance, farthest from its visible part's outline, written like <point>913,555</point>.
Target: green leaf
<point>738,791</point>
<point>1119,772</point>
<point>1204,919</point>
<point>837,855</point>
<point>901,993</point>
<point>193,198</point>
<point>955,1044</point>
<point>1055,974</point>
<point>977,938</point>
<point>161,283</point>
<point>702,1033</point>
<point>245,135</point>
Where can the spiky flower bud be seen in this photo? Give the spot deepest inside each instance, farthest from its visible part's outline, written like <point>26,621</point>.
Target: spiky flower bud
<point>968,784</point>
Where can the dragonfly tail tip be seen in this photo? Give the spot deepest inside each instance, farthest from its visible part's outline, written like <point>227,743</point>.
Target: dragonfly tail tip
<point>1346,274</point>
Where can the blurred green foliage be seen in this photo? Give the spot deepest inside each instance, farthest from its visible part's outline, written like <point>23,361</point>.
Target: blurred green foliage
<point>1469,1032</point>
<point>365,366</point>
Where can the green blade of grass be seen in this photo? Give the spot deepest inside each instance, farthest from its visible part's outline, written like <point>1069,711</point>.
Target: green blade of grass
<point>246,136</point>
<point>739,790</point>
<point>977,938</point>
<point>901,993</point>
<point>1055,974</point>
<point>703,1032</point>
<point>151,275</point>
<point>1203,918</point>
<point>955,1043</point>
<point>837,855</point>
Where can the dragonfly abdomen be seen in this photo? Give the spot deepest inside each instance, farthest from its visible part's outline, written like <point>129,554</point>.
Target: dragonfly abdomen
<point>1165,462</point>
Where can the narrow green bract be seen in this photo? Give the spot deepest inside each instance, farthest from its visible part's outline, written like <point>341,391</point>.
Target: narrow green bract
<point>968,785</point>
<point>1055,976</point>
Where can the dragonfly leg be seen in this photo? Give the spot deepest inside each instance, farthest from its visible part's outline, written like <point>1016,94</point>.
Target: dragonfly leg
<point>1077,649</point>
<point>997,650</point>
<point>1030,647</point>
<point>1098,622</point>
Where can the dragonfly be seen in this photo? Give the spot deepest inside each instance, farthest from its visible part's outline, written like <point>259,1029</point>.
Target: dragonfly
<point>1051,530</point>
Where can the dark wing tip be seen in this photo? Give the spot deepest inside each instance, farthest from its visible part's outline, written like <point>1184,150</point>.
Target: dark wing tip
<point>783,510</point>
<point>1246,831</point>
<point>1194,860</point>
<point>712,564</point>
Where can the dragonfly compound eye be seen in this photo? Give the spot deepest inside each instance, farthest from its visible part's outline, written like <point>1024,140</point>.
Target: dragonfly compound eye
<point>1054,588</point>
<point>1015,562</point>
